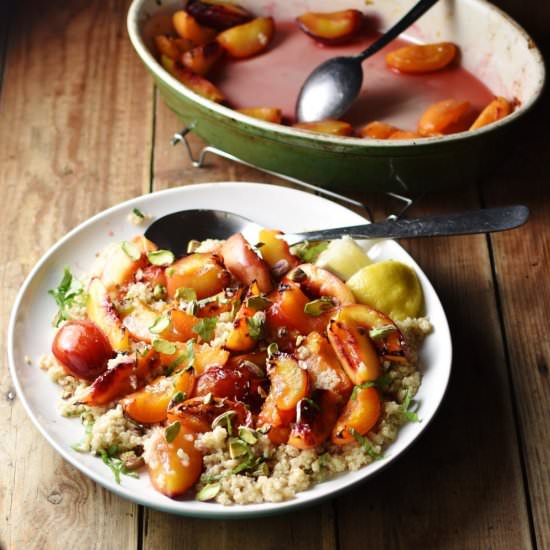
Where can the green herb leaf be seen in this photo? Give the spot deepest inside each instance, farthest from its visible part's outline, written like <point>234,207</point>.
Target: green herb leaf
<point>186,294</point>
<point>309,252</point>
<point>316,308</point>
<point>115,464</point>
<point>161,257</point>
<point>160,325</point>
<point>380,383</point>
<point>258,303</point>
<point>365,443</point>
<point>256,325</point>
<point>178,397</point>
<point>137,212</point>
<point>163,346</point>
<point>410,415</point>
<point>172,431</point>
<point>205,328</point>
<point>68,293</point>
<point>131,250</point>
<point>381,332</point>
<point>208,492</point>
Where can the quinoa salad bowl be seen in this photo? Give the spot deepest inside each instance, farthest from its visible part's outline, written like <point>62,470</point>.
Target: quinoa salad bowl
<point>269,390</point>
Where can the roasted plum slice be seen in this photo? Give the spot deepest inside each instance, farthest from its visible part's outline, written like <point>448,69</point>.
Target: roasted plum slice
<point>188,27</point>
<point>497,109</point>
<point>248,39</point>
<point>327,126</point>
<point>446,117</point>
<point>377,130</point>
<point>289,382</point>
<point>202,58</point>
<point>172,47</point>
<point>422,58</point>
<point>269,114</point>
<point>331,27</point>
<point>218,15</point>
<point>276,252</point>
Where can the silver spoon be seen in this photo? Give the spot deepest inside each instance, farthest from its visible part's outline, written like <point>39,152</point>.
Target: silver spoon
<point>333,86</point>
<point>174,231</point>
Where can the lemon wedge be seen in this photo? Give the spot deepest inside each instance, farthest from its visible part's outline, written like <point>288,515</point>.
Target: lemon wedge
<point>390,287</point>
<point>343,257</point>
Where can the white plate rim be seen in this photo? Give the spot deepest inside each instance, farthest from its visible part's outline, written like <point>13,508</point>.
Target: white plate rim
<point>193,508</point>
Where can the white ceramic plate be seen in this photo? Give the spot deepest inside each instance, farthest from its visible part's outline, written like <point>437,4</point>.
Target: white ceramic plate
<point>30,332</point>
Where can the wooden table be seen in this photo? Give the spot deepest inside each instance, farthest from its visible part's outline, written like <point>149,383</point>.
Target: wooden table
<point>82,128</point>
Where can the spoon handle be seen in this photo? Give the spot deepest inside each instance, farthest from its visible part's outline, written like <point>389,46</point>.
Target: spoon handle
<point>407,20</point>
<point>462,223</point>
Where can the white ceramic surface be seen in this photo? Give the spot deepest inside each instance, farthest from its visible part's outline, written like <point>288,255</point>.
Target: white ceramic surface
<point>30,332</point>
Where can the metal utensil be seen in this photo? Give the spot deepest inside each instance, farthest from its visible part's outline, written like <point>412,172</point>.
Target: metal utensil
<point>333,86</point>
<point>175,230</point>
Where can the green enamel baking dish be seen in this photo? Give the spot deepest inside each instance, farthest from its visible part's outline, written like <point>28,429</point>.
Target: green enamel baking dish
<point>493,47</point>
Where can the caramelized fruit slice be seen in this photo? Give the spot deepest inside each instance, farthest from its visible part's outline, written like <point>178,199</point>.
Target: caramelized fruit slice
<point>377,130</point>
<point>248,39</point>
<point>204,273</point>
<point>315,419</point>
<point>289,382</point>
<point>278,420</point>
<point>218,15</point>
<point>246,331</point>
<point>149,405</point>
<point>330,27</point>
<point>139,320</point>
<point>244,264</point>
<point>423,58</point>
<point>497,109</point>
<point>404,134</point>
<point>175,466</point>
<point>361,414</point>
<point>187,27</point>
<point>328,126</point>
<point>101,311</point>
<point>197,414</point>
<point>276,252</point>
<point>193,81</point>
<point>172,47</point>
<point>269,114</point>
<point>201,59</point>
<point>445,117</point>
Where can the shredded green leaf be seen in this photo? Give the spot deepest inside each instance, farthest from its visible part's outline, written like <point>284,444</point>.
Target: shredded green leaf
<point>206,327</point>
<point>172,431</point>
<point>115,464</point>
<point>68,293</point>
<point>365,443</point>
<point>410,415</point>
<point>380,383</point>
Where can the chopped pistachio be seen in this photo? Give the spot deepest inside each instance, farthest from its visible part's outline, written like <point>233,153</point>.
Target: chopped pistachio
<point>187,294</point>
<point>316,308</point>
<point>238,448</point>
<point>131,250</point>
<point>207,399</point>
<point>381,332</point>
<point>247,435</point>
<point>256,325</point>
<point>272,349</point>
<point>208,492</point>
<point>192,246</point>
<point>178,397</point>
<point>257,303</point>
<point>163,346</point>
<point>172,431</point>
<point>223,419</point>
<point>161,257</point>
<point>160,325</point>
<point>159,292</point>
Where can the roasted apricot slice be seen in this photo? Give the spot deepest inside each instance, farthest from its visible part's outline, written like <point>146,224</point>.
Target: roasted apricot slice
<point>445,117</point>
<point>404,134</point>
<point>361,414</point>
<point>497,109</point>
<point>269,114</point>
<point>276,252</point>
<point>289,382</point>
<point>424,58</point>
<point>139,320</point>
<point>172,47</point>
<point>278,420</point>
<point>202,58</point>
<point>331,27</point>
<point>204,273</point>
<point>173,463</point>
<point>248,39</point>
<point>218,15</point>
<point>187,27</point>
<point>328,126</point>
<point>244,264</point>
<point>377,130</point>
<point>149,405</point>
<point>315,419</point>
<point>194,82</point>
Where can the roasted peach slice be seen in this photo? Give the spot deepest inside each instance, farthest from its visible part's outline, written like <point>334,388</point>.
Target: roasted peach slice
<point>360,414</point>
<point>278,420</point>
<point>102,312</point>
<point>218,15</point>
<point>248,39</point>
<point>276,252</point>
<point>223,302</point>
<point>203,273</point>
<point>188,27</point>
<point>202,58</point>
<point>138,321</point>
<point>497,109</point>
<point>244,264</point>
<point>404,134</point>
<point>172,47</point>
<point>173,462</point>
<point>425,58</point>
<point>207,356</point>
<point>289,382</point>
<point>445,117</point>
<point>197,414</point>
<point>377,130</point>
<point>324,368</point>
<point>149,405</point>
<point>328,126</point>
<point>269,114</point>
<point>194,82</point>
<point>331,27</point>
<point>315,419</point>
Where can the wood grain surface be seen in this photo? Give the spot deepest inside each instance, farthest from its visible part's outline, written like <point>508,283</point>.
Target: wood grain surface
<point>81,129</point>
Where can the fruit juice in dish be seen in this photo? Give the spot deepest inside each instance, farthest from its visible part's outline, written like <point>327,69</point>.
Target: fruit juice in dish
<point>274,79</point>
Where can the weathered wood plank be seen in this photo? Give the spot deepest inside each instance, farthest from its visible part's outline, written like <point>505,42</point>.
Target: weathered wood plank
<point>73,92</point>
<point>461,485</point>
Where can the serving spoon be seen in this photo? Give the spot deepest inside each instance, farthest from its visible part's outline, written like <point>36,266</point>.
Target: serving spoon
<point>333,86</point>
<point>174,231</point>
